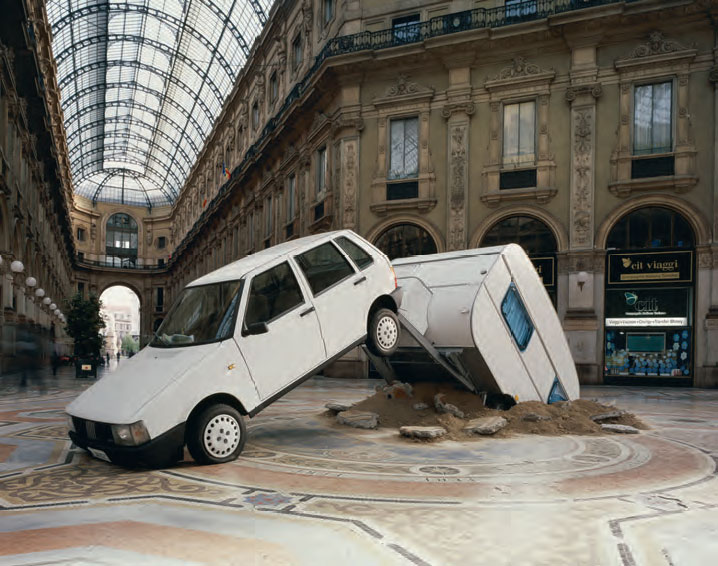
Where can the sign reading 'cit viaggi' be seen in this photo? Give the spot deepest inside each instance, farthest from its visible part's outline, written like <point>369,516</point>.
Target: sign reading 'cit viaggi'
<point>640,268</point>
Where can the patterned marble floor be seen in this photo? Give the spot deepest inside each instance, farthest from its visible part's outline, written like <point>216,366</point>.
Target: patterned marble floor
<point>306,491</point>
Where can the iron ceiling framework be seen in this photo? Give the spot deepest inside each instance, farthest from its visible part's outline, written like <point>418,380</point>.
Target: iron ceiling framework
<point>142,83</point>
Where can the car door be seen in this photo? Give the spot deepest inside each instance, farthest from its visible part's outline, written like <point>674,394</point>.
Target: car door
<point>333,283</point>
<point>290,345</point>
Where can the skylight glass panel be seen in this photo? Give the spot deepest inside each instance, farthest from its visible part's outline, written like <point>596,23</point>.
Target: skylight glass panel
<point>142,83</point>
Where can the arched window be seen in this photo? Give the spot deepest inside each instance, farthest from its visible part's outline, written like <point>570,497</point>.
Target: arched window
<point>121,240</point>
<point>404,240</point>
<point>651,227</point>
<point>528,232</point>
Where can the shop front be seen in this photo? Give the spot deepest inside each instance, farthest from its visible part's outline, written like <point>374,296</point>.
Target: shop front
<point>649,327</point>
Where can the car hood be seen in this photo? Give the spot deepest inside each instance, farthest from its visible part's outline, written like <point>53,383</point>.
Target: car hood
<point>119,396</point>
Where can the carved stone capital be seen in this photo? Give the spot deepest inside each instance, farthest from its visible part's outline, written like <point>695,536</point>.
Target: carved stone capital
<point>467,108</point>
<point>595,90</point>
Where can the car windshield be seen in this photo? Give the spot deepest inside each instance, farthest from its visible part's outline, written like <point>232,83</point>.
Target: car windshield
<point>201,315</point>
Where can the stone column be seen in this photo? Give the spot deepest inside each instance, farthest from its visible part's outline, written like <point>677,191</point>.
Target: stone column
<point>458,112</point>
<point>585,274</point>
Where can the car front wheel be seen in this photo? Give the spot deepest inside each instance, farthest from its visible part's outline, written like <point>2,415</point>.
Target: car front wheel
<point>216,435</point>
<point>383,335</point>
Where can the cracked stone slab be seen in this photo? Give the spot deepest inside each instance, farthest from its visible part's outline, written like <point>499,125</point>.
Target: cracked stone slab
<point>442,407</point>
<point>358,419</point>
<point>534,418</point>
<point>486,425</point>
<point>422,431</point>
<point>606,416</point>
<point>622,429</point>
<point>338,407</point>
<point>420,406</point>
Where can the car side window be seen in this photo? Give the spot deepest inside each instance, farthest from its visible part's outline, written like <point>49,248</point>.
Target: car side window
<point>324,266</point>
<point>358,255</point>
<point>272,293</point>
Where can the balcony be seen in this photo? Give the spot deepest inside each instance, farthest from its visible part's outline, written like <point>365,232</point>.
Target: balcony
<point>127,263</point>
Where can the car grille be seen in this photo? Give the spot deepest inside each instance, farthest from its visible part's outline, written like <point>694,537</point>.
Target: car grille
<point>92,430</point>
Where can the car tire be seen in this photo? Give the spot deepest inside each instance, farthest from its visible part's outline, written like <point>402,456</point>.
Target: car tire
<point>383,333</point>
<point>216,435</point>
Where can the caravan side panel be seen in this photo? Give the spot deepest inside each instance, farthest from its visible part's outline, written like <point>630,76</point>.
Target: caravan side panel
<point>497,347</point>
<point>546,322</point>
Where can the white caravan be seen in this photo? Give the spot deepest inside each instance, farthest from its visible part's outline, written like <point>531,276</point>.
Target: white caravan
<point>485,316</point>
<point>234,341</point>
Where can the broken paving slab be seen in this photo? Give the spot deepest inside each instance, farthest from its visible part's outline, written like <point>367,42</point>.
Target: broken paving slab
<point>442,407</point>
<point>358,419</point>
<point>338,407</point>
<point>486,425</point>
<point>606,416</point>
<point>534,418</point>
<point>621,429</point>
<point>420,406</point>
<point>422,431</point>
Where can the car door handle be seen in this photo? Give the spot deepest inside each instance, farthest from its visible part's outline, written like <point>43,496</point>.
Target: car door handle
<point>306,312</point>
<point>360,280</point>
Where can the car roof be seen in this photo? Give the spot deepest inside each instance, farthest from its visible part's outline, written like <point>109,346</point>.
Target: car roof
<point>238,269</point>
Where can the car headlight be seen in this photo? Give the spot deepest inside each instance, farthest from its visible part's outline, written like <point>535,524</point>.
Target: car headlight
<point>70,423</point>
<point>130,435</point>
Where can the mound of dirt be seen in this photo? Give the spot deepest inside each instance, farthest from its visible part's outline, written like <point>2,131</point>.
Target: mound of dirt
<point>532,417</point>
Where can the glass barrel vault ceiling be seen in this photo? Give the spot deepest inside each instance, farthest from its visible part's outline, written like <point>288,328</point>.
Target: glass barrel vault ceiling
<point>142,82</point>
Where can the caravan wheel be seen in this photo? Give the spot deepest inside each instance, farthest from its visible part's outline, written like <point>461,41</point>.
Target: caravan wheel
<point>216,435</point>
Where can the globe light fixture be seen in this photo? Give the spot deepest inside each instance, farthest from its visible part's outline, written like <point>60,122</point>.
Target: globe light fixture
<point>40,292</point>
<point>17,266</point>
<point>53,306</point>
<point>46,301</point>
<point>30,282</point>
<point>57,312</point>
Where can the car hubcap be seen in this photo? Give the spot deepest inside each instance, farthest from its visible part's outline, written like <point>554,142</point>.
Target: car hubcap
<point>221,436</point>
<point>386,332</point>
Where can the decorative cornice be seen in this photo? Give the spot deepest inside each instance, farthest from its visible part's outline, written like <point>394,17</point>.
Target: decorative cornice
<point>657,45</point>
<point>594,90</point>
<point>404,86</point>
<point>520,71</point>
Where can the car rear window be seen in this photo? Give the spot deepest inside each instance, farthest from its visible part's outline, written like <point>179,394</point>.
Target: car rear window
<point>515,315</point>
<point>324,266</point>
<point>358,255</point>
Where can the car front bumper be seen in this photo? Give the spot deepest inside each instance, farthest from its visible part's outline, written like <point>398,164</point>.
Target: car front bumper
<point>158,452</point>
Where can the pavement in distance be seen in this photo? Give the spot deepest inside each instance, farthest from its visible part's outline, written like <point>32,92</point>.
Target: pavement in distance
<point>309,491</point>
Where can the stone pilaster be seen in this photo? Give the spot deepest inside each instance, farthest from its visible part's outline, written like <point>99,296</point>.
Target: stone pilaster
<point>457,112</point>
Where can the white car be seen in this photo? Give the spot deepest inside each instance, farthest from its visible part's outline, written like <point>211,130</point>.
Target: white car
<point>236,340</point>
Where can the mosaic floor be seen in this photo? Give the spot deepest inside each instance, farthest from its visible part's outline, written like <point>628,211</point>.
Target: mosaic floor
<point>306,491</point>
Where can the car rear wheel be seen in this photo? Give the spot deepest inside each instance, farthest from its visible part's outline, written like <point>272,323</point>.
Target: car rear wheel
<point>216,435</point>
<point>383,335</point>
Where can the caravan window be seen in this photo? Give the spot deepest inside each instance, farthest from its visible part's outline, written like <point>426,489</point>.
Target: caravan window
<point>515,315</point>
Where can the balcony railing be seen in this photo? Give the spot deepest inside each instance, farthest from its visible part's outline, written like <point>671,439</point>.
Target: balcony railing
<point>124,264</point>
<point>478,18</point>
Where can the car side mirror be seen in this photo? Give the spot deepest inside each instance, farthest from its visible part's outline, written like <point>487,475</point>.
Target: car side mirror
<point>256,328</point>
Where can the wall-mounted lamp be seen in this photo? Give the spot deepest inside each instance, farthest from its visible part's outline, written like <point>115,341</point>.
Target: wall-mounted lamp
<point>581,279</point>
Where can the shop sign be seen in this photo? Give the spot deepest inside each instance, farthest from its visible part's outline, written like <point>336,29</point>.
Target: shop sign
<point>647,307</point>
<point>638,268</point>
<point>546,269</point>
